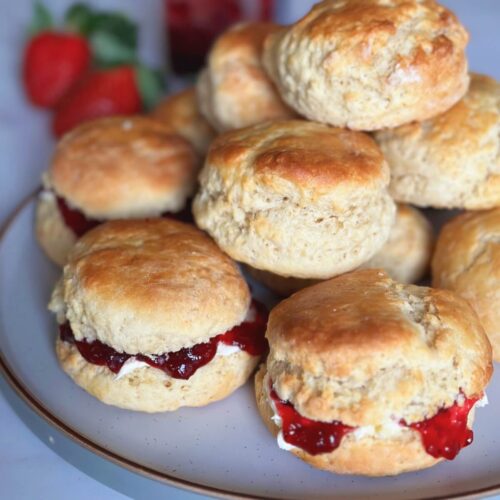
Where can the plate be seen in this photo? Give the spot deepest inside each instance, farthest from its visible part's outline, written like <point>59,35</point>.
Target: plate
<point>223,449</point>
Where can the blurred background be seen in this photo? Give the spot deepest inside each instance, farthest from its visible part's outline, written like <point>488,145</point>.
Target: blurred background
<point>173,35</point>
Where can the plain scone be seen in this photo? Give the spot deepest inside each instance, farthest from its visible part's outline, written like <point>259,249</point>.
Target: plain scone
<point>296,198</point>
<point>151,287</point>
<point>233,90</point>
<point>405,256</point>
<point>368,352</point>
<point>181,112</point>
<point>111,168</point>
<point>370,64</point>
<point>467,261</point>
<point>452,160</point>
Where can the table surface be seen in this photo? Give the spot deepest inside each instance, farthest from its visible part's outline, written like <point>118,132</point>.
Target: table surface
<point>28,467</point>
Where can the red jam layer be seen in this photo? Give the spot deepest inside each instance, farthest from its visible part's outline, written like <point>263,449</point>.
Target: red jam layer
<point>75,219</point>
<point>446,433</point>
<point>248,336</point>
<point>309,435</point>
<point>443,435</point>
<point>79,223</point>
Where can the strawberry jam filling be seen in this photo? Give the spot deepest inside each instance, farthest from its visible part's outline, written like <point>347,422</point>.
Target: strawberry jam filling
<point>79,223</point>
<point>75,219</point>
<point>446,433</point>
<point>443,435</point>
<point>309,435</point>
<point>248,336</point>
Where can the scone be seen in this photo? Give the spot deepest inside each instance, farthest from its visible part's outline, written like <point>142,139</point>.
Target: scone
<point>233,90</point>
<point>405,256</point>
<point>153,316</point>
<point>181,112</point>
<point>452,160</point>
<point>112,168</point>
<point>369,64</point>
<point>467,261</point>
<point>296,198</point>
<point>407,253</point>
<point>368,376</point>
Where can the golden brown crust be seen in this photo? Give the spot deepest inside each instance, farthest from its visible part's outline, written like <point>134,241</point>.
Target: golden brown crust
<point>367,456</point>
<point>127,167</point>
<point>369,64</point>
<point>181,112</point>
<point>234,90</point>
<point>308,155</point>
<point>151,390</point>
<point>360,348</point>
<point>467,261</point>
<point>150,286</point>
<point>295,198</point>
<point>452,160</point>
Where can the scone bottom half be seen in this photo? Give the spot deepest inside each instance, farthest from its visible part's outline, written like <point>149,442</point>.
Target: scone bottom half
<point>339,411</point>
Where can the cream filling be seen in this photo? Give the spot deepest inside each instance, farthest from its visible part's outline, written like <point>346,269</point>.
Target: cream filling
<point>47,195</point>
<point>129,366</point>
<point>386,430</point>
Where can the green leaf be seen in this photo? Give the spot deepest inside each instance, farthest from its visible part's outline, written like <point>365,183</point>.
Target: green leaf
<point>42,19</point>
<point>78,18</point>
<point>150,84</point>
<point>116,25</point>
<point>109,51</point>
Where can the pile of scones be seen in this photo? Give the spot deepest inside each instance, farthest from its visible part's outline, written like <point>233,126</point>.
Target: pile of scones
<point>297,159</point>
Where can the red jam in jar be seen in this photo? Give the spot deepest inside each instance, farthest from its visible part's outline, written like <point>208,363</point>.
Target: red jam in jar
<point>310,435</point>
<point>446,433</point>
<point>248,336</point>
<point>80,224</point>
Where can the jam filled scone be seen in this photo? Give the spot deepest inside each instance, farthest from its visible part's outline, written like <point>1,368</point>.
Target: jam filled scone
<point>296,198</point>
<point>112,168</point>
<point>370,64</point>
<point>233,90</point>
<point>368,376</point>
<point>467,261</point>
<point>153,316</point>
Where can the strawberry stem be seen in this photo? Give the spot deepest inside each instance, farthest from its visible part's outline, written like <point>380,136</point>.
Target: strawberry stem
<point>42,19</point>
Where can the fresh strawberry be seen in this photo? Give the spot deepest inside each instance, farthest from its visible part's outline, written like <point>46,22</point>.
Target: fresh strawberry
<point>53,63</point>
<point>101,93</point>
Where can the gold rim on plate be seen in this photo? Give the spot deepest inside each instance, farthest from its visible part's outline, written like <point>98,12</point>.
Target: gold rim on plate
<point>23,392</point>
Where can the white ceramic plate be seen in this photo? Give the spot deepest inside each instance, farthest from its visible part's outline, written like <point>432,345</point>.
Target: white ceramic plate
<point>223,449</point>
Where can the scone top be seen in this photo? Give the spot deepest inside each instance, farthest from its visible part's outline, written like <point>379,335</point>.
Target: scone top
<point>363,349</point>
<point>149,287</point>
<point>233,90</point>
<point>126,167</point>
<point>370,64</point>
<point>304,160</point>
